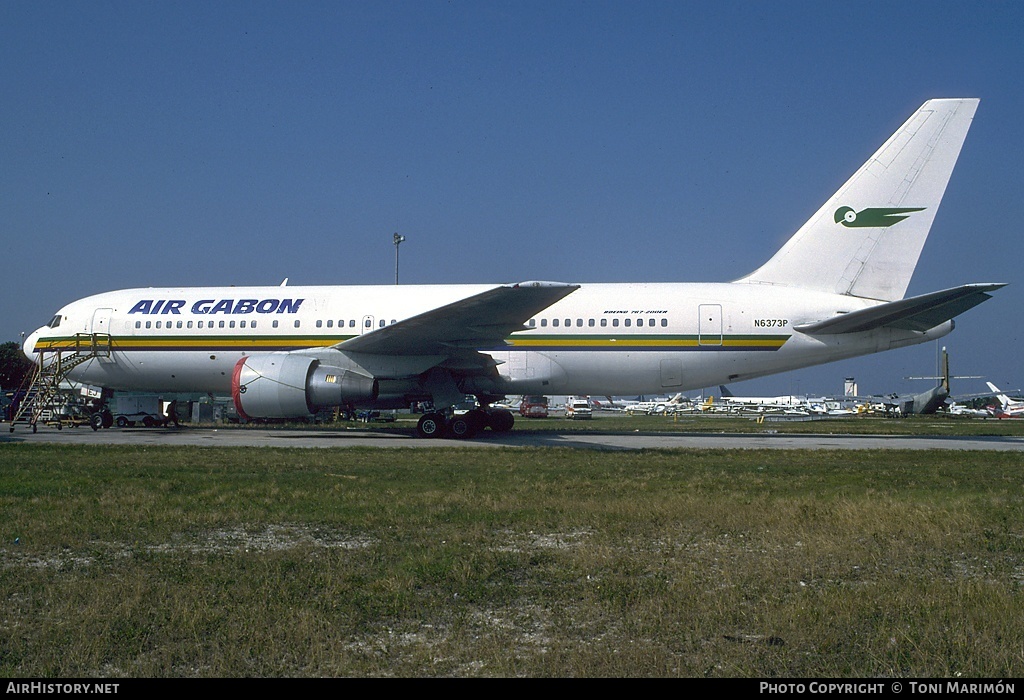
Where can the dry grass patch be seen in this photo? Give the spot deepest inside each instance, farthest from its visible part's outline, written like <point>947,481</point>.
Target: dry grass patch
<point>457,562</point>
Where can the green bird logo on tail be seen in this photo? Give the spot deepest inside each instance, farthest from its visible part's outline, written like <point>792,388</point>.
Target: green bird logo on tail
<point>872,216</point>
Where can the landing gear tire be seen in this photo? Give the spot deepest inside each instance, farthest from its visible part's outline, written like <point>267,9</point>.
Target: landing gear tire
<point>463,427</point>
<point>501,421</point>
<point>479,419</point>
<point>430,425</point>
<point>96,421</point>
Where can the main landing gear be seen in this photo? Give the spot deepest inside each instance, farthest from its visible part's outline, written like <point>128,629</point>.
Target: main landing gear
<point>463,426</point>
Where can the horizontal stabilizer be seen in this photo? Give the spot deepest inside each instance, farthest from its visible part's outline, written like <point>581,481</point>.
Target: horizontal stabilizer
<point>914,313</point>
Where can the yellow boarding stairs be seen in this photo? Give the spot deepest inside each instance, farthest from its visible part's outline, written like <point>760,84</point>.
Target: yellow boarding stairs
<point>42,387</point>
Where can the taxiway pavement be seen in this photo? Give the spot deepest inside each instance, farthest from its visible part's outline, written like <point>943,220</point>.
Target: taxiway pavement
<point>259,437</point>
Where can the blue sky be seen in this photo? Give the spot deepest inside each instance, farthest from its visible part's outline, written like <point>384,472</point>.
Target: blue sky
<point>199,143</point>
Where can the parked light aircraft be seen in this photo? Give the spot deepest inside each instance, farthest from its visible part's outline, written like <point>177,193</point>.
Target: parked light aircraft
<point>959,409</point>
<point>658,405</point>
<point>1008,408</point>
<point>740,403</point>
<point>608,403</point>
<point>835,290</point>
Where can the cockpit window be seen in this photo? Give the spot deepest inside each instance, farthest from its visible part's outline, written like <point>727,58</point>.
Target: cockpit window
<point>54,322</point>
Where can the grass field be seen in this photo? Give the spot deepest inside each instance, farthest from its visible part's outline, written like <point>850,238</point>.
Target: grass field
<point>133,562</point>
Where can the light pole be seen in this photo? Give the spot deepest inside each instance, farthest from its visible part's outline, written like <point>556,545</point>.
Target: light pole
<point>398,240</point>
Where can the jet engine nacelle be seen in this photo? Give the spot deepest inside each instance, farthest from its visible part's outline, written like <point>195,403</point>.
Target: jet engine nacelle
<point>285,385</point>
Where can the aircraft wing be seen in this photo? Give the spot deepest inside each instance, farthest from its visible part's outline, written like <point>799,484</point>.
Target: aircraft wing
<point>482,320</point>
<point>914,313</point>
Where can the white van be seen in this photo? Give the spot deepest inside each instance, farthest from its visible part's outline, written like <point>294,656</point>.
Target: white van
<point>578,409</point>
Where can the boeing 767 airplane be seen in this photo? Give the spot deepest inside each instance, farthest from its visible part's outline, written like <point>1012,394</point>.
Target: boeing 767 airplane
<point>835,290</point>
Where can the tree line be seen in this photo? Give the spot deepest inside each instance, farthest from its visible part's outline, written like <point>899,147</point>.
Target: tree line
<point>14,366</point>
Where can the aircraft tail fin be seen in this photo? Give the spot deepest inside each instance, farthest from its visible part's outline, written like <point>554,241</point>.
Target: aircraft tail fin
<point>866,239</point>
<point>1003,398</point>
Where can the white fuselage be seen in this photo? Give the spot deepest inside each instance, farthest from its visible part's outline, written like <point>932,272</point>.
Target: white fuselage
<point>603,339</point>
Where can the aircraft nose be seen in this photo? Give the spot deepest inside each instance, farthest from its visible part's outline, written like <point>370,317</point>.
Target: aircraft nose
<point>29,348</point>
